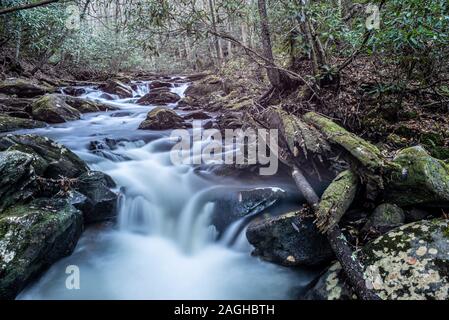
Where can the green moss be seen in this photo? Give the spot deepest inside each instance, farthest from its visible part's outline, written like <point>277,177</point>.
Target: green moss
<point>368,154</point>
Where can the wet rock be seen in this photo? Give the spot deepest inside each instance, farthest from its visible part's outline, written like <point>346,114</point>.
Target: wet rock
<point>384,218</point>
<point>186,103</point>
<point>101,202</point>
<point>53,109</point>
<point>106,96</point>
<point>290,240</point>
<point>235,205</point>
<point>49,159</point>
<point>86,106</point>
<point>9,104</point>
<point>410,262</point>
<point>8,123</point>
<point>420,180</point>
<point>118,88</point>
<point>197,115</point>
<point>74,91</point>
<point>331,286</point>
<point>32,237</point>
<point>416,214</point>
<point>23,88</point>
<point>159,84</point>
<point>159,97</point>
<point>205,87</point>
<point>161,118</point>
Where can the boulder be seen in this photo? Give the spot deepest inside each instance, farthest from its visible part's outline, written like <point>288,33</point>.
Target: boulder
<point>159,97</point>
<point>235,205</point>
<point>49,159</point>
<point>204,87</point>
<point>8,123</point>
<point>23,88</point>
<point>86,106</point>
<point>53,109</point>
<point>290,239</point>
<point>18,179</point>
<point>197,115</point>
<point>161,118</point>
<point>118,88</point>
<point>384,218</point>
<point>160,84</point>
<point>101,202</point>
<point>331,285</point>
<point>32,237</point>
<point>410,262</point>
<point>420,180</point>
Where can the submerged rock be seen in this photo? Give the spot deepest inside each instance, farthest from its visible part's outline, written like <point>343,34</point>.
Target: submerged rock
<point>8,123</point>
<point>290,240</point>
<point>161,118</point>
<point>159,97</point>
<point>410,262</point>
<point>421,179</point>
<point>32,237</point>
<point>53,109</point>
<point>23,88</point>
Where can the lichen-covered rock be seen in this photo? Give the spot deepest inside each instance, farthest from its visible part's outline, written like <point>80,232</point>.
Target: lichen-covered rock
<point>421,179</point>
<point>53,109</point>
<point>18,179</point>
<point>410,262</point>
<point>385,217</point>
<point>8,123</point>
<point>118,88</point>
<point>159,97</point>
<point>23,88</point>
<point>32,237</point>
<point>49,159</point>
<point>331,285</point>
<point>161,118</point>
<point>101,202</point>
<point>336,200</point>
<point>290,240</point>
<point>235,205</point>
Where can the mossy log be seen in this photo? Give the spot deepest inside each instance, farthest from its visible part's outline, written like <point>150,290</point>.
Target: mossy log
<point>336,200</point>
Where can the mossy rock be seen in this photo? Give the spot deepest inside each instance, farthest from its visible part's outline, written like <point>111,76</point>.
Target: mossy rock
<point>159,97</point>
<point>385,217</point>
<point>419,179</point>
<point>410,262</point>
<point>23,88</point>
<point>161,118</point>
<point>49,159</point>
<point>53,109</point>
<point>32,237</point>
<point>12,123</point>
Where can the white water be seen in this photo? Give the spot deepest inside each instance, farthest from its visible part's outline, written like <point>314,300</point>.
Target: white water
<point>163,245</point>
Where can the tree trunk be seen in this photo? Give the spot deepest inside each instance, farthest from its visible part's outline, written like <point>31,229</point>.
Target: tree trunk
<point>272,72</point>
<point>214,27</point>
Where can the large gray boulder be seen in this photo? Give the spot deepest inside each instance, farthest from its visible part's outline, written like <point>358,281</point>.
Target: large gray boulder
<point>118,88</point>
<point>159,97</point>
<point>52,108</point>
<point>32,237</point>
<point>291,239</point>
<point>8,123</point>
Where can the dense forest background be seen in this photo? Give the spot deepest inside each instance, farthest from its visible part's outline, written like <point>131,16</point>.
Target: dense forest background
<point>380,67</point>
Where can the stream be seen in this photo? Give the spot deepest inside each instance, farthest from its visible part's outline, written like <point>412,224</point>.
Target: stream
<point>162,245</point>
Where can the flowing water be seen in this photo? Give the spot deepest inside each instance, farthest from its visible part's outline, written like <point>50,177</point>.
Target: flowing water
<point>163,245</point>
